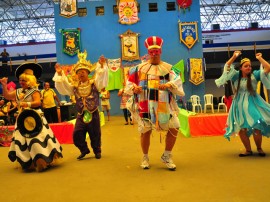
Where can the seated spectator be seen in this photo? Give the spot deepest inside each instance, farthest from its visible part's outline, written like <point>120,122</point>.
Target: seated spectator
<point>3,112</point>
<point>12,110</point>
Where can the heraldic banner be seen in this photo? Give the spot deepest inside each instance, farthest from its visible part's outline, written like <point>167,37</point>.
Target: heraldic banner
<point>71,41</point>
<point>128,12</point>
<point>188,33</point>
<point>68,8</point>
<point>196,70</point>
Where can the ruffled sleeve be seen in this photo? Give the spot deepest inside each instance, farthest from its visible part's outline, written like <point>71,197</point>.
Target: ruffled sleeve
<point>265,78</point>
<point>101,77</point>
<point>62,85</point>
<point>226,76</point>
<point>176,83</point>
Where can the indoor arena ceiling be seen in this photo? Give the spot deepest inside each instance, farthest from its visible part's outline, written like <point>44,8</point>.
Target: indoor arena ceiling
<point>23,20</point>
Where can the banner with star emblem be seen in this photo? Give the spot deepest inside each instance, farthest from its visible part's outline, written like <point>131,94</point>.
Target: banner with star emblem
<point>188,33</point>
<point>71,41</point>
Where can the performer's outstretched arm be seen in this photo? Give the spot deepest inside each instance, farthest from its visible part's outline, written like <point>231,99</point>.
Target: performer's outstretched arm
<point>61,82</point>
<point>264,63</point>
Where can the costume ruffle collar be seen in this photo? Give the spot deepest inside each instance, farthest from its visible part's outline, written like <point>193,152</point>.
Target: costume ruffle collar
<point>159,70</point>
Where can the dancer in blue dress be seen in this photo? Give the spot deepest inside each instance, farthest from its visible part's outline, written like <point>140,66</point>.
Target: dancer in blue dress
<point>249,113</point>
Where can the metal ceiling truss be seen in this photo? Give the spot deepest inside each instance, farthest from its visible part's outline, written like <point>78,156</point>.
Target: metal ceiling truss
<point>234,14</point>
<point>24,20</point>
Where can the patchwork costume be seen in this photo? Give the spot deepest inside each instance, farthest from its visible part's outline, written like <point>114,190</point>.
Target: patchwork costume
<point>154,85</point>
<point>156,108</point>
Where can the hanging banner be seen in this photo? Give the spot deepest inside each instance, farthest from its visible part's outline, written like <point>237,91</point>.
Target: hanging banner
<point>188,33</point>
<point>130,45</point>
<point>196,70</point>
<point>114,64</point>
<point>128,12</point>
<point>116,76</point>
<point>71,41</point>
<point>68,8</point>
<point>180,67</point>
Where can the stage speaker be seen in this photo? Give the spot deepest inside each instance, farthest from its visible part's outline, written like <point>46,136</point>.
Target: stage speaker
<point>68,112</point>
<point>215,27</point>
<point>253,25</point>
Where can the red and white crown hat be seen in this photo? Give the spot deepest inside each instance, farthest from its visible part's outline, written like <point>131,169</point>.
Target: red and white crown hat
<point>153,42</point>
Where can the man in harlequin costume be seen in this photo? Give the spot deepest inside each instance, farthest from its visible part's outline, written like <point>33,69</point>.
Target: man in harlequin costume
<point>86,92</point>
<point>155,84</point>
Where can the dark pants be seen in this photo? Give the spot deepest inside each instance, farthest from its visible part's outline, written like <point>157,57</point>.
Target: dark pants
<point>127,115</point>
<point>94,131</point>
<point>51,114</point>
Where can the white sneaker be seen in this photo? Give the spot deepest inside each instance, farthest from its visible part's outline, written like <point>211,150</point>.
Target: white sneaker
<point>145,163</point>
<point>168,161</point>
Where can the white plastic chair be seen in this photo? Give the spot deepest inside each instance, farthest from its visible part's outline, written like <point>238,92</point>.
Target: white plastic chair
<point>222,104</point>
<point>196,103</point>
<point>208,102</point>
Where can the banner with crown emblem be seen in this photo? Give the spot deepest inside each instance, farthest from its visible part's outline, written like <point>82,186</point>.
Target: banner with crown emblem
<point>71,41</point>
<point>196,70</point>
<point>128,12</point>
<point>188,33</point>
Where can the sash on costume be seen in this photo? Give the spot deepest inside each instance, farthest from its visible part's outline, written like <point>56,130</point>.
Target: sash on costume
<point>24,93</point>
<point>196,71</point>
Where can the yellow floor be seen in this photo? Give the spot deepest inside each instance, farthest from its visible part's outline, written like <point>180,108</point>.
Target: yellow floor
<point>208,170</point>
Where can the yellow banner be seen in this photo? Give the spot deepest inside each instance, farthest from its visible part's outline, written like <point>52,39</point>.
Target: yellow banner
<point>196,71</point>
